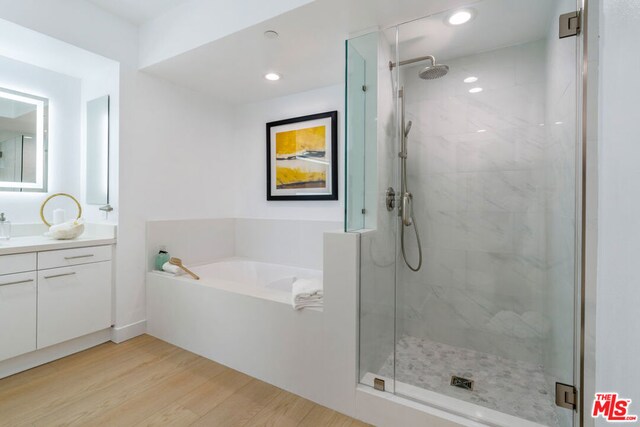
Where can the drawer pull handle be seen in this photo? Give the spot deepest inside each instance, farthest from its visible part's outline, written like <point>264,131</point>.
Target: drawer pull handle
<point>78,257</point>
<point>17,282</point>
<point>60,275</point>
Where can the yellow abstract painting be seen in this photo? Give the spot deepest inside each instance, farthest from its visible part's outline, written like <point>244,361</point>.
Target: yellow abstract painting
<point>300,140</point>
<point>301,158</point>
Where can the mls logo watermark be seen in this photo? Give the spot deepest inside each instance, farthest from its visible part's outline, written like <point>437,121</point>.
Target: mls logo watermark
<point>612,408</point>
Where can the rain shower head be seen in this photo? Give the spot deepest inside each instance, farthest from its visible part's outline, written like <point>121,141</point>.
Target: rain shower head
<point>434,71</point>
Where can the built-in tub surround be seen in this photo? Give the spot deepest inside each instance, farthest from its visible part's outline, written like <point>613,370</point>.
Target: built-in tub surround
<point>295,243</point>
<point>256,257</point>
<point>242,307</point>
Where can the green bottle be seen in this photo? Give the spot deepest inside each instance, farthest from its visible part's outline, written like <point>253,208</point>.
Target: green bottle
<point>162,258</point>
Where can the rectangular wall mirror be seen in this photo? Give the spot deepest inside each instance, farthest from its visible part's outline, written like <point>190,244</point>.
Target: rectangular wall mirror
<point>98,151</point>
<point>23,141</point>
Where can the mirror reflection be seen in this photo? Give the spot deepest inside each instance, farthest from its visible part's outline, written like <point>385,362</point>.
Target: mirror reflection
<point>22,141</point>
<point>98,151</point>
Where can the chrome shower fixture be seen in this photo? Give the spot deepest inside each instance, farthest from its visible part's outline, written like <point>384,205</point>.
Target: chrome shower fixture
<point>430,72</point>
<point>405,210</point>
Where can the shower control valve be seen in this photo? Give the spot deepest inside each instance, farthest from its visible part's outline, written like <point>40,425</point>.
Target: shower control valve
<point>390,199</point>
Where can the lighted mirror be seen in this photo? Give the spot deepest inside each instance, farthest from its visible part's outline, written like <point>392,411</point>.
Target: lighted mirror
<point>23,141</point>
<point>98,151</point>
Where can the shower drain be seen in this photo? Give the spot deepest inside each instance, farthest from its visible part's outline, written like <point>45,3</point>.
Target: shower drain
<point>460,382</point>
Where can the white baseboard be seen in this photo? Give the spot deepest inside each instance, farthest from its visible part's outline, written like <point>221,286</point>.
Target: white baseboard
<point>49,354</point>
<point>124,333</point>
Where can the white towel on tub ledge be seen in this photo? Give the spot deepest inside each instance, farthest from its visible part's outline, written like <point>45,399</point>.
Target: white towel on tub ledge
<point>307,293</point>
<point>172,269</point>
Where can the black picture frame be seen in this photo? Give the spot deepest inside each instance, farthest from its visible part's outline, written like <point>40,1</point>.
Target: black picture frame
<point>333,185</point>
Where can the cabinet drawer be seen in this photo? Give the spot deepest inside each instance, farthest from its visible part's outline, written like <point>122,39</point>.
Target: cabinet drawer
<point>68,257</point>
<point>73,301</point>
<point>18,263</point>
<point>17,314</point>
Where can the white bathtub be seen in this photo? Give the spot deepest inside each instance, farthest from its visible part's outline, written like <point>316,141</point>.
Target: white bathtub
<point>252,278</point>
<point>240,314</point>
<point>255,274</point>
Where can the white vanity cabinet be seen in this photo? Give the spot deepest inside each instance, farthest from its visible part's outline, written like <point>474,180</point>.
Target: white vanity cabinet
<point>53,296</point>
<point>74,293</point>
<point>17,314</point>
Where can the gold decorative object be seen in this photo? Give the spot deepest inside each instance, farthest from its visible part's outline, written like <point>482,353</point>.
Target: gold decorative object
<point>56,195</point>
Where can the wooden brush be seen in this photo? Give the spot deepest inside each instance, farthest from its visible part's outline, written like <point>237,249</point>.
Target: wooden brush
<point>178,262</point>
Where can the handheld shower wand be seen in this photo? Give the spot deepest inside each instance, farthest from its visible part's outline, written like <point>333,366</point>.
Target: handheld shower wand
<point>406,204</point>
<point>407,128</point>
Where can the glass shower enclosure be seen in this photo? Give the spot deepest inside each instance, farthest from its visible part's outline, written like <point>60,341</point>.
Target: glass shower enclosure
<point>462,161</point>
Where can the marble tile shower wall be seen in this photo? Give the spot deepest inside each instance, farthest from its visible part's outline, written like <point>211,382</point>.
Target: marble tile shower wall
<point>476,169</point>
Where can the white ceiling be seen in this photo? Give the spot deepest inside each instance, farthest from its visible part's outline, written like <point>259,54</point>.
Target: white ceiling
<point>137,11</point>
<point>488,30</point>
<point>310,50</point>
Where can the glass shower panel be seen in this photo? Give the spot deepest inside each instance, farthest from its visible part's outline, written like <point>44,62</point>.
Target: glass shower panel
<point>491,162</point>
<point>374,140</point>
<point>355,152</point>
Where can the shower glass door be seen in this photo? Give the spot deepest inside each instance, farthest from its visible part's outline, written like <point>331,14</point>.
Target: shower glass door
<point>486,327</point>
<point>491,166</point>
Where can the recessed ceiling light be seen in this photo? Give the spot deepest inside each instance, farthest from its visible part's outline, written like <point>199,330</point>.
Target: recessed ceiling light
<point>460,17</point>
<point>475,90</point>
<point>471,79</point>
<point>272,76</point>
<point>558,123</point>
<point>481,130</point>
<point>270,34</point>
<point>541,124</point>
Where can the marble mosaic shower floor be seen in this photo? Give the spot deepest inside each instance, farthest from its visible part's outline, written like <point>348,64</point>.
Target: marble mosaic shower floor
<point>508,386</point>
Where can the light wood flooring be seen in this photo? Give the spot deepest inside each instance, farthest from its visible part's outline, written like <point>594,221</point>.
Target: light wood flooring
<point>148,382</point>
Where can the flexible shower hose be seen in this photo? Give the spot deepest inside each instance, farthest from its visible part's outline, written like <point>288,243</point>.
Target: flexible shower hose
<point>404,255</point>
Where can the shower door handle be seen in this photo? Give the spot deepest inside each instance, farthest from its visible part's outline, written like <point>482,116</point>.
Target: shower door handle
<point>406,206</point>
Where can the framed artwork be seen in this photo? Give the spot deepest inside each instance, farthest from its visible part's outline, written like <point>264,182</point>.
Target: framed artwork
<point>302,158</point>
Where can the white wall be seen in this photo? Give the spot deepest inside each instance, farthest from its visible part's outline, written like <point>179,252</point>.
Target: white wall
<point>618,325</point>
<point>63,93</point>
<point>174,163</point>
<point>250,161</point>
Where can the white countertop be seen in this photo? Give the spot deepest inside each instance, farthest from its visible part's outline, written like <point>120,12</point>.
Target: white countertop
<point>95,235</point>
<point>20,245</point>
